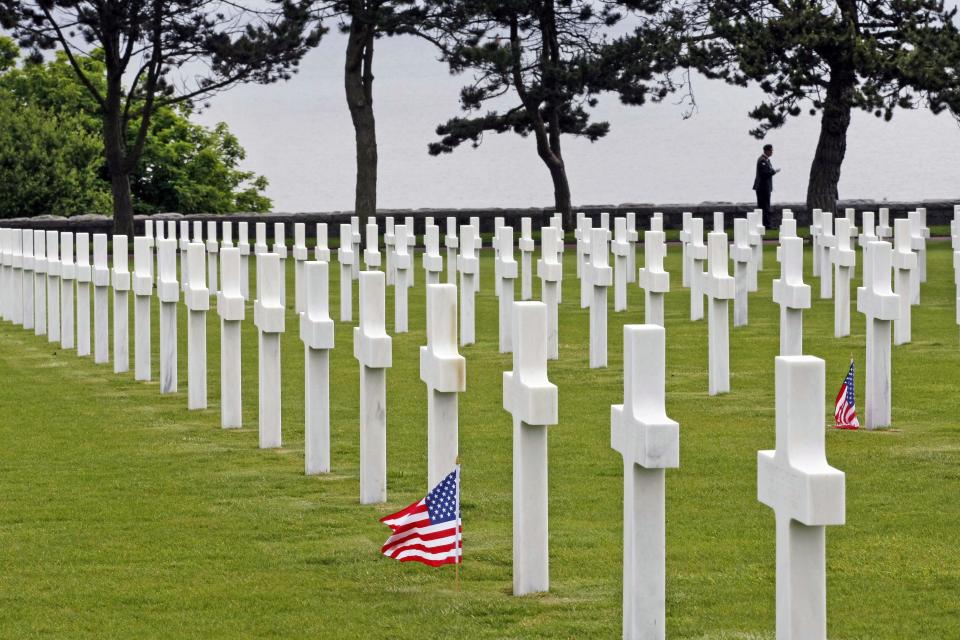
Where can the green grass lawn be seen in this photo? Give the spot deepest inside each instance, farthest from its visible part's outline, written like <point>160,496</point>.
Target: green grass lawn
<point>123,515</point>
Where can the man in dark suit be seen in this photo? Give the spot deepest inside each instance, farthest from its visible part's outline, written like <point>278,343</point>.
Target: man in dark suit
<point>763,182</point>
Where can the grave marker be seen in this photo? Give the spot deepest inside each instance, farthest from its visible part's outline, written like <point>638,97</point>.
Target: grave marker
<point>452,243</point>
<point>184,244</point>
<point>197,299</point>
<point>755,240</point>
<point>260,248</point>
<point>142,290</point>
<point>633,237</point>
<point>792,295</point>
<point>816,228</point>
<point>649,442</point>
<point>621,252</point>
<point>389,244</point>
<point>68,274</point>
<point>213,258</point>
<point>168,292</point>
<point>280,249</point>
<point>346,257</point>
<point>526,256</point>
<point>828,241</point>
<point>586,289</point>
<point>881,306</point>
<point>432,260</point>
<point>919,245</point>
<point>697,255</point>
<point>316,333</point>
<point>845,262</point>
<point>742,254</point>
<point>720,290</point>
<point>411,250</point>
<point>806,495</point>
<point>402,263</point>
<point>372,348</point>
<point>300,255</point>
<point>495,243</point>
<point>884,230</point>
<point>39,283</point>
<point>532,400</point>
<point>322,252</point>
<point>84,278</point>
<point>904,263</point>
<point>600,275</point>
<point>507,274</point>
<point>444,371</point>
<point>687,265</point>
<point>101,313</point>
<point>467,265</point>
<point>654,281</point>
<point>232,311</point>
<point>550,272</point>
<point>243,245</point>
<point>53,286</point>
<point>371,254</point>
<point>269,317</point>
<point>26,283</point>
<point>355,239</point>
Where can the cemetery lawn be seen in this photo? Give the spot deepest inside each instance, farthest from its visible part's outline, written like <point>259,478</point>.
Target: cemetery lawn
<point>123,515</point>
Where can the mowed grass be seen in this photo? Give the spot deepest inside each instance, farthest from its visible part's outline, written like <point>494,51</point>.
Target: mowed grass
<point>124,515</point>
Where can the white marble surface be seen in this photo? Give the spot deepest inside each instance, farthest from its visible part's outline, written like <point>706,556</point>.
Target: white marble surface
<point>844,259</point>
<point>444,371</point>
<point>39,283</point>
<point>452,242</point>
<point>652,278</point>
<point>620,248</point>
<point>532,401</point>
<point>467,265</point>
<point>792,295</point>
<point>346,257</point>
<point>649,442</point>
<point>526,259</point>
<point>720,290</point>
<point>403,266</point>
<point>827,242</point>
<point>269,318</point>
<point>550,272</point>
<point>53,286</point>
<point>600,276</point>
<point>101,312</point>
<point>84,277</point>
<point>633,237</point>
<point>881,306</point>
<point>697,255</point>
<point>168,293</point>
<point>142,291</point>
<point>316,332</point>
<point>741,253</point>
<point>68,275</point>
<point>506,276</point>
<point>372,348</point>
<point>26,285</point>
<point>197,299</point>
<point>806,495</point>
<point>232,312</point>
<point>432,259</point>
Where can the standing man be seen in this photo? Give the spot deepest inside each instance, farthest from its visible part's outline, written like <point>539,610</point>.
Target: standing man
<point>763,182</point>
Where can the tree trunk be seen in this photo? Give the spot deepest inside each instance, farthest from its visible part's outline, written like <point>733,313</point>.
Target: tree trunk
<point>358,82</point>
<point>831,147</point>
<point>561,195</point>
<point>114,142</point>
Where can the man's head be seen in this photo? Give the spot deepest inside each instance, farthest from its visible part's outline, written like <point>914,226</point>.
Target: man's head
<point>768,150</point>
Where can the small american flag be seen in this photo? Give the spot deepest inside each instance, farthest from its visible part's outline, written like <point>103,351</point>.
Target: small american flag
<point>429,530</point>
<point>845,412</point>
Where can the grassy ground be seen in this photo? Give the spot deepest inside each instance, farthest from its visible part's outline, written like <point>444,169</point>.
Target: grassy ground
<point>124,515</point>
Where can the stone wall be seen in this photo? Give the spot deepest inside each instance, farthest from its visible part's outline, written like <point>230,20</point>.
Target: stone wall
<point>939,212</point>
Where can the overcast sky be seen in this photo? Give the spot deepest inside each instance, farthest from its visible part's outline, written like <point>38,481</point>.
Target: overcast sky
<point>299,135</point>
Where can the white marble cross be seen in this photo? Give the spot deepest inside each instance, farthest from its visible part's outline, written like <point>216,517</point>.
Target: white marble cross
<point>280,249</point>
<point>686,264</point>
<point>101,312</point>
<point>720,291</point>
<point>432,258</point>
<point>792,295</point>
<point>243,245</point>
<point>317,335</point>
<point>904,263</point>
<point>26,284</point>
<point>806,494</point>
<point>532,400</point>
<point>84,278</point>
<point>760,231</point>
<point>355,240</point>
<point>578,237</point>
<point>718,221</point>
<point>226,237</point>
<point>322,251</point>
<point>498,223</point>
<point>697,256</point>
<point>550,272</point>
<point>142,291</point>
<point>742,254</point>
<point>300,255</point>
<point>371,253</point>
<point>557,223</point>
<point>755,240</point>
<point>68,273</point>
<point>232,312</point>
<point>168,292</point>
<point>15,286</point>
<point>184,244</point>
<point>269,317</point>
<point>507,275</point>
<point>654,281</point>
<point>197,299</point>
<point>403,266</point>
<point>444,371</point>
<point>467,265</point>
<point>452,243</point>
<point>40,283</point>
<point>851,216</point>
<point>922,254</point>
<point>868,234</point>
<point>633,236</point>
<point>827,242</point>
<point>881,306</point>
<point>213,259</point>
<point>526,259</point>
<point>620,248</point>
<point>53,286</point>
<point>120,278</point>
<point>260,247</point>
<point>346,257</point>
<point>844,260</point>
<point>919,244</point>
<point>390,247</point>
<point>883,229</point>
<point>586,289</point>
<point>600,275</point>
<point>649,442</point>
<point>411,250</point>
<point>816,227</point>
<point>373,349</point>
<point>478,243</point>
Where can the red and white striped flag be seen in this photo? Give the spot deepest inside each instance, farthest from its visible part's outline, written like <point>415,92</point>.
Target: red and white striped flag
<point>429,530</point>
<point>845,411</point>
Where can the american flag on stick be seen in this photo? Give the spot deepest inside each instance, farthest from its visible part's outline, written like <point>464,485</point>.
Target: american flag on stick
<point>845,412</point>
<point>429,530</point>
